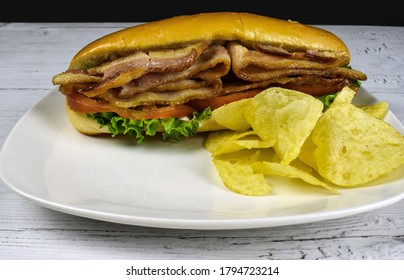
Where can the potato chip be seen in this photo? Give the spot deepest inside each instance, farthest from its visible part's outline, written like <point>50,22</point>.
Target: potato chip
<point>274,168</point>
<point>288,135</point>
<point>237,120</point>
<point>306,153</point>
<point>239,177</point>
<point>222,142</point>
<point>378,109</point>
<point>284,116</point>
<point>235,135</point>
<point>349,147</point>
<point>345,96</point>
<point>247,156</point>
<point>217,140</point>
<point>300,165</point>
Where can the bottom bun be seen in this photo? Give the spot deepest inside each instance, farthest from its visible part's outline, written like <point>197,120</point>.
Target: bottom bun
<point>89,126</point>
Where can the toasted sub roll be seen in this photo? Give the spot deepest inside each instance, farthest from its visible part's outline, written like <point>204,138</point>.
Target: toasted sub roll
<point>177,67</point>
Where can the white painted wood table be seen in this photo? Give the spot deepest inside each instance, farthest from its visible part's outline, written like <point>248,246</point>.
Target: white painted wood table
<point>31,53</point>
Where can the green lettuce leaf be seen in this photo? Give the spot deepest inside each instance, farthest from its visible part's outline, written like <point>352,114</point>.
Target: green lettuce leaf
<point>327,100</point>
<point>172,129</point>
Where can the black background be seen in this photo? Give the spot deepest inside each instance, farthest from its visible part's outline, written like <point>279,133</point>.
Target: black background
<point>371,12</point>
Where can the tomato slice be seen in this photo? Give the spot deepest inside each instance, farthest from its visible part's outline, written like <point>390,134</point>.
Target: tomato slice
<point>172,111</point>
<point>83,104</point>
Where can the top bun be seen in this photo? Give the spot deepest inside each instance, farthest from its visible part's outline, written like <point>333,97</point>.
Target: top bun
<point>229,26</point>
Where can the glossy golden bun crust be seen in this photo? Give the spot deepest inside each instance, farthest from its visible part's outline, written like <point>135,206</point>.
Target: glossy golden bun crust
<point>229,26</point>
<point>181,30</point>
<point>89,126</point>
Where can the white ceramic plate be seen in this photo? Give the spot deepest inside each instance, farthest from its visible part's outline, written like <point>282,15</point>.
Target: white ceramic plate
<point>160,184</point>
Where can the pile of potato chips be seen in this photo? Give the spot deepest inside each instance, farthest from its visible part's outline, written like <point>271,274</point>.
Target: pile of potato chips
<point>283,132</point>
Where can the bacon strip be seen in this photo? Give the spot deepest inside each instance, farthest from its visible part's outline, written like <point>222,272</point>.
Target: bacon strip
<point>174,97</point>
<point>214,63</point>
<point>243,57</point>
<point>155,61</point>
<point>202,70</point>
<point>313,55</point>
<point>255,66</point>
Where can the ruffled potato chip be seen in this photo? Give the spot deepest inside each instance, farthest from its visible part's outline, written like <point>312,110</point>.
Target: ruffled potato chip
<point>284,116</point>
<point>274,168</point>
<point>349,147</point>
<point>240,177</point>
<point>345,96</point>
<point>378,109</point>
<point>231,116</point>
<point>222,142</point>
<point>290,136</point>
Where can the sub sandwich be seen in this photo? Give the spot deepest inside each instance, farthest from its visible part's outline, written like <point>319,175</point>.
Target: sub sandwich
<point>167,76</point>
